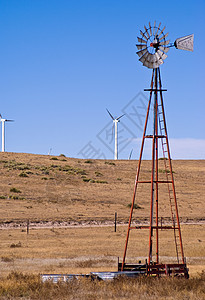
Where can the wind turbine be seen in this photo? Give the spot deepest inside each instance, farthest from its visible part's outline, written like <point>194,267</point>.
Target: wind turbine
<point>115,121</point>
<point>3,132</point>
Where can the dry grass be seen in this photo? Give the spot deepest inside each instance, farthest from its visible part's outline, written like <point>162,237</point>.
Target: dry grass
<point>19,286</point>
<point>61,190</point>
<point>68,189</point>
<point>90,249</point>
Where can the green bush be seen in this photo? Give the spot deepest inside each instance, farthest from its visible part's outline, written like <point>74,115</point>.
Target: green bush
<point>88,161</point>
<point>136,206</point>
<point>101,181</point>
<point>109,163</point>
<point>53,158</point>
<point>23,174</point>
<point>14,190</point>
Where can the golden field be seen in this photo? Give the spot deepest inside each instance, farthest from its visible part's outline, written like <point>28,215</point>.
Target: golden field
<point>70,204</point>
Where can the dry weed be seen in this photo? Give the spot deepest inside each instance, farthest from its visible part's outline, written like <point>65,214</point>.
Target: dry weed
<point>17,285</point>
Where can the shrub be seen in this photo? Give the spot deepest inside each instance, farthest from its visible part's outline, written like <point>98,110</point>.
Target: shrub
<point>62,155</point>
<point>101,181</point>
<point>14,190</point>
<point>44,178</point>
<point>88,161</point>
<point>81,172</point>
<point>3,197</point>
<point>6,259</point>
<point>18,245</point>
<point>86,179</point>
<point>53,158</point>
<point>136,206</point>
<point>109,163</point>
<point>98,174</point>
<point>23,174</point>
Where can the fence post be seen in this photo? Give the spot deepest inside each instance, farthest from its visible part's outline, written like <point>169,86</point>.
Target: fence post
<point>115,221</point>
<point>27,226</point>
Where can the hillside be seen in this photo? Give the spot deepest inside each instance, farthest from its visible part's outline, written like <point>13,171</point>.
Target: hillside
<point>45,188</point>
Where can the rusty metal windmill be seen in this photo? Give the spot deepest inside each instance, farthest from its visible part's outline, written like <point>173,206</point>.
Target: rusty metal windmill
<point>152,48</point>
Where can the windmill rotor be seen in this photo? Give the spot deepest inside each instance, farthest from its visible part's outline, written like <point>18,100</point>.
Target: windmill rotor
<point>153,45</point>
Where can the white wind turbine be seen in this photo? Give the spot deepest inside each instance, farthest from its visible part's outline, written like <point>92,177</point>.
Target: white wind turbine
<point>3,132</point>
<point>115,121</point>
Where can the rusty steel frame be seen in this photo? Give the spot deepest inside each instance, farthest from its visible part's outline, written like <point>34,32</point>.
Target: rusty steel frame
<point>156,267</point>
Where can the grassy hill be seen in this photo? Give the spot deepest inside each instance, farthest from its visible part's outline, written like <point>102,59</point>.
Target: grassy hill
<point>51,190</point>
<point>45,188</point>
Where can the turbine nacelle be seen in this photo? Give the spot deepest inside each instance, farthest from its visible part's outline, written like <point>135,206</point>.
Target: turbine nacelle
<point>115,121</point>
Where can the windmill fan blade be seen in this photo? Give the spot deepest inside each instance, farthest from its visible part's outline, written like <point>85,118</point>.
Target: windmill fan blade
<point>146,31</point>
<point>141,52</point>
<point>164,36</point>
<point>151,65</point>
<point>140,47</point>
<point>9,120</point>
<point>141,40</point>
<point>154,27</point>
<point>120,117</point>
<point>150,28</point>
<point>161,31</point>
<point>143,58</point>
<point>158,28</point>
<point>159,59</point>
<point>152,58</point>
<point>143,35</point>
<point>164,42</point>
<point>109,114</point>
<point>185,43</point>
<point>165,50</point>
<point>161,54</point>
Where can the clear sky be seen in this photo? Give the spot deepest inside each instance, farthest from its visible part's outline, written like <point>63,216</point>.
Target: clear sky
<point>62,63</point>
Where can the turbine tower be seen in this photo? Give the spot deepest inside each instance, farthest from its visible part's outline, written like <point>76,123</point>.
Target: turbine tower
<point>115,121</point>
<point>3,132</point>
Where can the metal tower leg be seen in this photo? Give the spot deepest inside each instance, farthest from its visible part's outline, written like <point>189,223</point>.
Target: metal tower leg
<point>159,132</point>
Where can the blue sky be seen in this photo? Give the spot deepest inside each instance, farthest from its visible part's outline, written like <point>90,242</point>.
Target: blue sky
<point>62,63</point>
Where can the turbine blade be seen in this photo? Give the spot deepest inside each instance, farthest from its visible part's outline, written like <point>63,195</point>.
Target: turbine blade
<point>9,120</point>
<point>120,117</point>
<point>109,114</point>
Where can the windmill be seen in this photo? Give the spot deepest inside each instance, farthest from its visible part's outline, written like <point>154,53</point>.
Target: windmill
<point>3,132</point>
<point>152,50</point>
<point>115,122</point>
